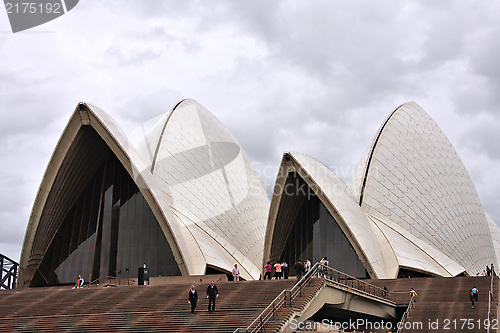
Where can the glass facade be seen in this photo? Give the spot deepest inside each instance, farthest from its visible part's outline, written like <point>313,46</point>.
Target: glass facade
<point>315,234</point>
<point>109,231</point>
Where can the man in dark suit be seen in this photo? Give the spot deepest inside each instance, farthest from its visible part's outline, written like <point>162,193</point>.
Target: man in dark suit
<point>193,298</point>
<point>299,269</point>
<point>212,294</point>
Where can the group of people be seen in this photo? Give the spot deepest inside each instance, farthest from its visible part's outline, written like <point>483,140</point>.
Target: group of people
<point>302,268</point>
<point>473,295</point>
<point>281,269</point>
<point>489,271</point>
<point>212,294</point>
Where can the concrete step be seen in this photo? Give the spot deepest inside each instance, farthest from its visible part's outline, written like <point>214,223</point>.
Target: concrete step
<point>142,308</point>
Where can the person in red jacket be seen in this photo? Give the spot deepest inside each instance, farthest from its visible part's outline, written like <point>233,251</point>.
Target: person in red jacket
<point>268,268</point>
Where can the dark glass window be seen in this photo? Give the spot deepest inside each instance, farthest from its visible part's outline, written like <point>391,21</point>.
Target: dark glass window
<point>407,273</point>
<point>314,233</point>
<point>109,231</point>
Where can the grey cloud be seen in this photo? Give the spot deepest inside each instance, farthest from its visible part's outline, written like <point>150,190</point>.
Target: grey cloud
<point>9,201</point>
<point>485,54</point>
<point>146,105</point>
<point>132,57</point>
<point>317,77</point>
<point>23,113</point>
<point>15,205</point>
<point>484,95</point>
<point>321,41</point>
<point>141,9</point>
<point>11,250</point>
<point>362,53</point>
<point>482,138</point>
<point>14,232</point>
<point>290,116</point>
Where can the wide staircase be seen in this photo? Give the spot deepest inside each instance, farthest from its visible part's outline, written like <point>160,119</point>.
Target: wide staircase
<point>443,304</point>
<point>145,308</point>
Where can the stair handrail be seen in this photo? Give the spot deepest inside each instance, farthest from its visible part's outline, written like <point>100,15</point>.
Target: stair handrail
<point>300,285</point>
<point>275,304</point>
<point>490,297</point>
<point>406,314</point>
<point>279,301</point>
<point>337,276</point>
<point>97,281</point>
<point>318,270</point>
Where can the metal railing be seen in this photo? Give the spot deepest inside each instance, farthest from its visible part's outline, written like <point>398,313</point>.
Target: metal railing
<point>111,280</point>
<point>8,272</point>
<point>352,282</point>
<point>286,297</point>
<point>490,298</point>
<point>283,300</point>
<point>406,315</point>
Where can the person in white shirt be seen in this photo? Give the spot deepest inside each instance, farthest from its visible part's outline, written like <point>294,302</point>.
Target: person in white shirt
<point>307,265</point>
<point>324,262</point>
<point>236,273</point>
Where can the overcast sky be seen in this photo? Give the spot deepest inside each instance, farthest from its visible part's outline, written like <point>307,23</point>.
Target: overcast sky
<point>317,77</point>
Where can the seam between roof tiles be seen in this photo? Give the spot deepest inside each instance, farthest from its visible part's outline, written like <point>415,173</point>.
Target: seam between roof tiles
<point>369,217</point>
<point>362,193</point>
<point>355,241</point>
<point>214,239</point>
<point>160,139</point>
<point>176,212</point>
<point>419,247</point>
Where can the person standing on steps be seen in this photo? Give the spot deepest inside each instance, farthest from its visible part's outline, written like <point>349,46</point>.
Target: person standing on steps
<point>299,269</point>
<point>277,273</point>
<point>193,298</point>
<point>474,296</point>
<point>212,294</point>
<point>413,294</point>
<point>268,268</point>
<point>307,265</point>
<point>236,273</point>
<point>323,270</point>
<point>284,268</point>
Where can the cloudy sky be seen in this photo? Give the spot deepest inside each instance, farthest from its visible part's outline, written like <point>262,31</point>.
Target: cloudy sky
<point>317,77</point>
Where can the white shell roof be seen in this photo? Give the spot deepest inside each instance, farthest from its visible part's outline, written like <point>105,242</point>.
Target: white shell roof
<point>413,253</point>
<point>422,209</point>
<point>413,175</point>
<point>382,245</point>
<point>208,199</point>
<point>495,235</point>
<point>200,165</point>
<point>341,204</point>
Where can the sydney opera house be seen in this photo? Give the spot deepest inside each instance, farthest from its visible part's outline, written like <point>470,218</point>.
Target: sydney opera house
<point>186,200</point>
